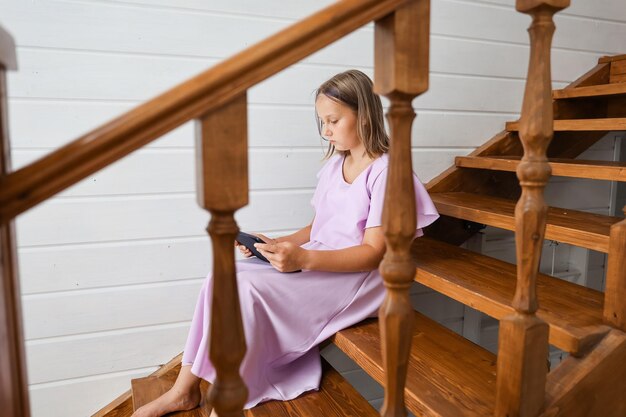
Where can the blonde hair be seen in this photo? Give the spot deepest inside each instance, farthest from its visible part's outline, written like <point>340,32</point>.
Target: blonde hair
<point>355,90</point>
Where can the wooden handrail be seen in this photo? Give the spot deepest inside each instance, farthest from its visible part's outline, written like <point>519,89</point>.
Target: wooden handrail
<point>95,150</point>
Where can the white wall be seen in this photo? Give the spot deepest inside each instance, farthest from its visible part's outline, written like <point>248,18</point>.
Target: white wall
<point>110,268</point>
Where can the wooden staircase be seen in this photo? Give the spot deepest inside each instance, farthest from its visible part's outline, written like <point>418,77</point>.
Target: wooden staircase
<point>446,375</point>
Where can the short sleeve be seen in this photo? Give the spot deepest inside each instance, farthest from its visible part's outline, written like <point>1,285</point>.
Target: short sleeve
<point>377,199</point>
<point>426,210</point>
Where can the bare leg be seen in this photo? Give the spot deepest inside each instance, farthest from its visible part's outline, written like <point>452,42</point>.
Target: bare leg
<point>184,395</point>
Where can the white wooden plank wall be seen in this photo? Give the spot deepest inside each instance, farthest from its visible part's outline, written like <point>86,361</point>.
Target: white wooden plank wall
<point>110,268</point>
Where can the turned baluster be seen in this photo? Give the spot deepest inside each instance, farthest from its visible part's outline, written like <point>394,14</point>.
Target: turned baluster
<point>523,338</point>
<point>13,382</point>
<point>222,177</point>
<point>401,73</point>
<point>615,291</point>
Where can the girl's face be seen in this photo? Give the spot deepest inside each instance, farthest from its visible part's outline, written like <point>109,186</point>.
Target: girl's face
<point>339,123</point>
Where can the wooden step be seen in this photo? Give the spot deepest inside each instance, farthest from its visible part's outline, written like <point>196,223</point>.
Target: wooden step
<point>573,312</point>
<point>586,125</point>
<point>447,374</point>
<point>593,91</point>
<point>578,228</point>
<point>575,168</point>
<point>335,398</point>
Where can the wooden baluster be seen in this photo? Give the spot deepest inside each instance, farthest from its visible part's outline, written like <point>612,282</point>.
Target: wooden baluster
<point>615,291</point>
<point>401,73</point>
<point>222,177</point>
<point>13,382</point>
<point>523,338</point>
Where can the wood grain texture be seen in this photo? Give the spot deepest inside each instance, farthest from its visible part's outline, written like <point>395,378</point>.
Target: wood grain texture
<point>401,51</point>
<point>602,90</point>
<point>615,288</point>
<point>207,91</point>
<point>573,312</point>
<point>597,75</point>
<point>593,385</point>
<point>618,71</point>
<point>13,382</point>
<point>578,228</point>
<point>522,369</point>
<point>447,374</point>
<point>335,398</point>
<point>613,58</point>
<point>574,168</point>
<point>581,125</point>
<point>222,183</point>
<point>401,73</point>
<point>523,336</point>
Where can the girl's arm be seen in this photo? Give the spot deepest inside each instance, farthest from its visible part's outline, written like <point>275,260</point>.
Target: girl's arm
<point>365,257</point>
<point>298,238</point>
<point>286,256</point>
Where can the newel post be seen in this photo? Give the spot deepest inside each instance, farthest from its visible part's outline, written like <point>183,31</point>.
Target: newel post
<point>523,338</point>
<point>13,382</point>
<point>615,291</point>
<point>222,178</point>
<point>400,74</point>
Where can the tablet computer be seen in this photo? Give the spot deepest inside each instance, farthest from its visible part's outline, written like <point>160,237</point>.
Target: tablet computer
<point>248,241</point>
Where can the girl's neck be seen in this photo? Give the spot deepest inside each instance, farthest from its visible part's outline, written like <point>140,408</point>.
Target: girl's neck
<point>358,156</point>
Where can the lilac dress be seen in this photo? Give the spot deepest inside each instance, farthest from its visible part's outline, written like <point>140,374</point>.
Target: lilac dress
<point>285,316</point>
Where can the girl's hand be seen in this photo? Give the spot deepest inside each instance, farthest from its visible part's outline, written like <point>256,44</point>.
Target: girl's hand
<point>247,252</point>
<point>243,250</point>
<point>284,256</point>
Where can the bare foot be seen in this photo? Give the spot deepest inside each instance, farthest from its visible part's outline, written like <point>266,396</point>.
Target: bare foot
<point>184,395</point>
<point>173,400</point>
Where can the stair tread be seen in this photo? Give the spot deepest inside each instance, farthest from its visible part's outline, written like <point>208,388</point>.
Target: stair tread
<point>336,397</point>
<point>447,374</point>
<point>600,90</point>
<point>577,228</point>
<point>573,312</point>
<point>577,168</point>
<point>586,125</point>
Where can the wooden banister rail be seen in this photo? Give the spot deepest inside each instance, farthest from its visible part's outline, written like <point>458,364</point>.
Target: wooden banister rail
<point>211,89</point>
<point>523,337</point>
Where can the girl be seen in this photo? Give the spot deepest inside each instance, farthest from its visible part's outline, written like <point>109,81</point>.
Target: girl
<point>285,316</point>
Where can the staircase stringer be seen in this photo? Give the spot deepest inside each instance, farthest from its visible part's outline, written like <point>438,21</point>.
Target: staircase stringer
<point>592,385</point>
